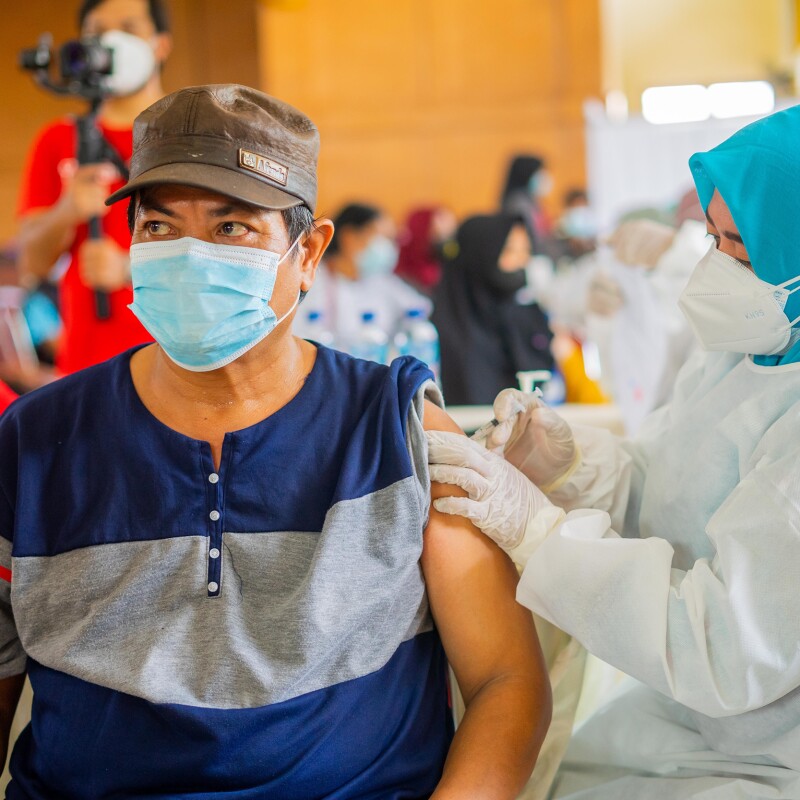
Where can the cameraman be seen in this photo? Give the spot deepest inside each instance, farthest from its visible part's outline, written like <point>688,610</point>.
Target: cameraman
<point>58,197</point>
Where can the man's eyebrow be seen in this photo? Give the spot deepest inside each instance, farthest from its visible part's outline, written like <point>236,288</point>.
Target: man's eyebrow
<point>727,234</point>
<point>146,205</point>
<point>229,208</point>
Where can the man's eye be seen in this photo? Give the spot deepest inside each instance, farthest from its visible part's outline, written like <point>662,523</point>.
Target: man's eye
<point>156,228</point>
<point>233,229</point>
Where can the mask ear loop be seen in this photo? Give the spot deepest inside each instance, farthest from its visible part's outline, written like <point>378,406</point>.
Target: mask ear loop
<point>783,286</point>
<point>301,294</point>
<point>294,306</point>
<point>291,247</point>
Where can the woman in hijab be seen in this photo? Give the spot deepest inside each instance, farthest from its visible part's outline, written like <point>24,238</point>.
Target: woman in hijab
<point>527,182</point>
<point>485,335</point>
<point>424,243</point>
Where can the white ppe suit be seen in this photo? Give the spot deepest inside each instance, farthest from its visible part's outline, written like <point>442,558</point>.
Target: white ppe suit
<point>701,603</point>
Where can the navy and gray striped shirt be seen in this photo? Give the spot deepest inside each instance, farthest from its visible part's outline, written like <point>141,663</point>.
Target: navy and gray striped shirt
<point>256,631</point>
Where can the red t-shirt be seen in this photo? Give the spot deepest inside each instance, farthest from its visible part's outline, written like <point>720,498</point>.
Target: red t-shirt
<point>6,397</point>
<point>86,340</point>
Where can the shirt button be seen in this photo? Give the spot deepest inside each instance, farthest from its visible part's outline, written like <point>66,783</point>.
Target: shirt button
<point>212,587</point>
<point>213,552</point>
<point>214,515</point>
<point>213,478</point>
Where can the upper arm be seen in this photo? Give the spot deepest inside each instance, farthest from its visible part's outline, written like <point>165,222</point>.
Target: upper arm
<point>471,587</point>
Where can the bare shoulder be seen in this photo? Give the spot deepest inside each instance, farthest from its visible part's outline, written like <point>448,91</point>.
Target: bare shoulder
<point>437,419</point>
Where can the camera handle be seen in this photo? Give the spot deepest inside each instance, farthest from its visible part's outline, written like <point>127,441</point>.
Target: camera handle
<point>93,148</point>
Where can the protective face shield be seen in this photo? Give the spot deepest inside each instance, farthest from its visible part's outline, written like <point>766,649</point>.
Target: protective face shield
<point>379,257</point>
<point>730,309</point>
<point>205,304</point>
<point>133,62</point>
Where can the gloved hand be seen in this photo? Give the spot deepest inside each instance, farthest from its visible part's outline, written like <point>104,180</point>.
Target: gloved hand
<point>502,502</point>
<point>641,242</point>
<point>534,438</point>
<point>605,296</point>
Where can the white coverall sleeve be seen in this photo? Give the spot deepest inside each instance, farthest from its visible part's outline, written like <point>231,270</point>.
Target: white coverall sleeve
<point>603,479</point>
<point>721,637</point>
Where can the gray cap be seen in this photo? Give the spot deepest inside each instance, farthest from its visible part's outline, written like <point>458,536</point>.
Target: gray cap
<point>229,139</point>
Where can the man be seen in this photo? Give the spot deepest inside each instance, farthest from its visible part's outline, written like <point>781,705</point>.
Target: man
<point>223,594</point>
<point>58,197</point>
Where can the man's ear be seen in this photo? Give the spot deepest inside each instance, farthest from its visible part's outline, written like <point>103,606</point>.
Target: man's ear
<point>312,248</point>
<point>162,47</point>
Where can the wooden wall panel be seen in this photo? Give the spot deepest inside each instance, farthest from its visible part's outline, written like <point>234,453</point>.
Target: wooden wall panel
<point>215,42</point>
<point>423,101</point>
<point>417,100</point>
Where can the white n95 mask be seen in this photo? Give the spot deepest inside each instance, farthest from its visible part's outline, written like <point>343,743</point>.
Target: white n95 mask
<point>132,63</point>
<point>731,309</point>
<point>205,304</point>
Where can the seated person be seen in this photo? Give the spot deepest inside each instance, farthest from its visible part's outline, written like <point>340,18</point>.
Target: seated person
<point>487,335</point>
<point>426,239</point>
<point>237,585</point>
<point>357,277</point>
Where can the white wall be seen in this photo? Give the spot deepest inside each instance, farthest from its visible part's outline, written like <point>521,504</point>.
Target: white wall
<point>634,163</point>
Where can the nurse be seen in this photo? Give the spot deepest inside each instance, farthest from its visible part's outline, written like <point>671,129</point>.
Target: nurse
<point>685,573</point>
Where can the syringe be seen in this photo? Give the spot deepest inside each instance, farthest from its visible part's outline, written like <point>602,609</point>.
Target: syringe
<point>484,430</point>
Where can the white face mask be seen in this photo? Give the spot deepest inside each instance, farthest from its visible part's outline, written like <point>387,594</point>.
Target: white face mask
<point>133,62</point>
<point>731,309</point>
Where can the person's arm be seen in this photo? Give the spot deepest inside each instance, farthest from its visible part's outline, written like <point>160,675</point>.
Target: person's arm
<point>46,233</point>
<point>10,690</point>
<point>491,644</point>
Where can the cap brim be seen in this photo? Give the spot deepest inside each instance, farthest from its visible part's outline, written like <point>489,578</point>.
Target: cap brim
<point>238,185</point>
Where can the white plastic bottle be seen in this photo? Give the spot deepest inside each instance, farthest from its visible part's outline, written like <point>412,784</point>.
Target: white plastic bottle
<point>317,330</point>
<point>370,342</point>
<point>418,337</point>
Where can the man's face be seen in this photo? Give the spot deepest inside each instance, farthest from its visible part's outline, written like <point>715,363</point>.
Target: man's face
<point>166,212</point>
<point>128,16</point>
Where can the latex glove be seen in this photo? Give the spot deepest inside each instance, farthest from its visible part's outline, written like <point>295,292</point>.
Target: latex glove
<point>534,438</point>
<point>605,296</point>
<point>502,502</point>
<point>641,242</point>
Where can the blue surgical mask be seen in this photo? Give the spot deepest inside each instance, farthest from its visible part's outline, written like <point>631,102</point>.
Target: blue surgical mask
<point>579,223</point>
<point>379,257</point>
<point>540,184</point>
<point>205,304</point>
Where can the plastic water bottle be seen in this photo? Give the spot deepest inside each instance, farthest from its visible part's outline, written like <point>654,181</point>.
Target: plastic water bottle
<point>370,342</point>
<point>317,330</point>
<point>418,337</point>
<point>554,392</point>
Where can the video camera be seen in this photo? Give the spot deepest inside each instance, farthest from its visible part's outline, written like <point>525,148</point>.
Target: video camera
<point>84,66</point>
<point>87,68</point>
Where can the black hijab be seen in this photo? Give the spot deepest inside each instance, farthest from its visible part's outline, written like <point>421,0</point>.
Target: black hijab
<point>486,336</point>
<point>520,171</point>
